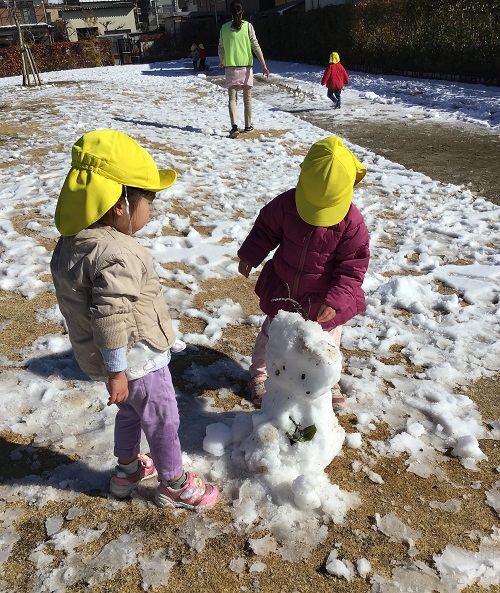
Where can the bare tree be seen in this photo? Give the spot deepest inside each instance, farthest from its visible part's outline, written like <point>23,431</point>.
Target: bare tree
<point>106,25</point>
<point>29,68</point>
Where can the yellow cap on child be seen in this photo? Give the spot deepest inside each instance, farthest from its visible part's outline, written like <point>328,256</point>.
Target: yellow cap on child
<point>334,58</point>
<point>326,181</point>
<point>102,162</point>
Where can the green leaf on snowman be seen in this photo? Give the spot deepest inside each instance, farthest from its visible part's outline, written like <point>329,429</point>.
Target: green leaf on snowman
<point>301,435</point>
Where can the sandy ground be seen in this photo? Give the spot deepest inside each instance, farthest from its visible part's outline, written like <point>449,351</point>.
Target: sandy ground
<point>402,493</point>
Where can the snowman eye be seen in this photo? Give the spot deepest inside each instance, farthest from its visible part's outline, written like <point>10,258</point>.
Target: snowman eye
<point>303,376</point>
<point>277,372</point>
<point>284,368</point>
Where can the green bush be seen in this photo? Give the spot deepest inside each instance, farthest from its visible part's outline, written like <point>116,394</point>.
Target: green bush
<point>65,55</point>
<point>440,38</point>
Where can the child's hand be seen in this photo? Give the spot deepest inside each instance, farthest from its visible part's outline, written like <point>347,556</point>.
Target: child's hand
<point>118,387</point>
<point>325,313</point>
<point>244,267</point>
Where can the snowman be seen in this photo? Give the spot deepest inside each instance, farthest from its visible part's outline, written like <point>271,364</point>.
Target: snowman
<point>295,435</point>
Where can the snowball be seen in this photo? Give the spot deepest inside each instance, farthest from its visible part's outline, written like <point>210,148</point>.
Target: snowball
<point>218,437</point>
<point>338,568</point>
<point>306,496</point>
<point>363,567</point>
<point>353,440</point>
<point>257,567</point>
<point>467,446</point>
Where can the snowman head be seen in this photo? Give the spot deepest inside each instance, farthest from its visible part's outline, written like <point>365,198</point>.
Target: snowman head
<point>302,359</point>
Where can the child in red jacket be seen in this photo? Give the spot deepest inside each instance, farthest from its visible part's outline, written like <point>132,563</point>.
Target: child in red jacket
<point>202,54</point>
<point>322,252</point>
<point>334,78</point>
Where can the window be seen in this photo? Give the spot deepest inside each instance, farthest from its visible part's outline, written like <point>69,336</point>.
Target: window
<point>87,33</point>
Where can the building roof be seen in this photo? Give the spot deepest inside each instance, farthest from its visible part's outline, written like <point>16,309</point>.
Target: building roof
<point>278,10</point>
<point>96,4</point>
<point>27,26</point>
<point>196,14</point>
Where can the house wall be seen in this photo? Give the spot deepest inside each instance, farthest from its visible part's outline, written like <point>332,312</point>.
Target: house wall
<point>38,29</point>
<point>122,19</point>
<point>34,14</point>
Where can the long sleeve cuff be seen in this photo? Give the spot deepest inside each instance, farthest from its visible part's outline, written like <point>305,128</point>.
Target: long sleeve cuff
<point>115,359</point>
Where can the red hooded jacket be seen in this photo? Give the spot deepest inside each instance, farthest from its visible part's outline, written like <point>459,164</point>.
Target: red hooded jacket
<point>312,265</point>
<point>335,76</point>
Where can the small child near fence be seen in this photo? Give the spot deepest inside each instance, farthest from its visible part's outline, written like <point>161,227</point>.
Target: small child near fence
<point>203,57</point>
<point>334,79</point>
<point>194,55</point>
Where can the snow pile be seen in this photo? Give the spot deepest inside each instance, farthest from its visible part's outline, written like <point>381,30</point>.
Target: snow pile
<point>287,445</point>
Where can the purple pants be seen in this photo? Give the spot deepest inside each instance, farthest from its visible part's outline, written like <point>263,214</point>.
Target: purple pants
<point>152,407</point>
<point>258,368</point>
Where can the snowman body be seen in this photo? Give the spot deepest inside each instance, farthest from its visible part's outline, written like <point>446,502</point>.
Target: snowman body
<point>296,434</point>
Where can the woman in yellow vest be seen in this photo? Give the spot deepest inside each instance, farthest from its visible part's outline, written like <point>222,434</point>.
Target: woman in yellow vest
<point>236,42</point>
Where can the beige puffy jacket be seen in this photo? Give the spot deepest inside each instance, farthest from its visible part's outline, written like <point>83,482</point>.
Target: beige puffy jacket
<point>109,295</point>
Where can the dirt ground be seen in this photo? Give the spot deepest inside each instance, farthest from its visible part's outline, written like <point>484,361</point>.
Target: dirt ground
<point>451,154</point>
<point>454,156</point>
<point>460,153</point>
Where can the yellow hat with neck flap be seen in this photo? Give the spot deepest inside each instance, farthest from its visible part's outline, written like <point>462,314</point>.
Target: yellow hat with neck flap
<point>326,181</point>
<point>102,162</point>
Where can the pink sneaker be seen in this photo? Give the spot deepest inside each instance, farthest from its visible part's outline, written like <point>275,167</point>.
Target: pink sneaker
<point>122,484</point>
<point>193,495</point>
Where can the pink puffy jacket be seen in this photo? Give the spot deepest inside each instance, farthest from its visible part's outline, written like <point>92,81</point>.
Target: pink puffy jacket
<point>318,264</point>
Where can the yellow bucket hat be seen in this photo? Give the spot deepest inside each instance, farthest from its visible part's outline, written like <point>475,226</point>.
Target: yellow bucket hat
<point>102,162</point>
<point>326,181</point>
<point>334,58</point>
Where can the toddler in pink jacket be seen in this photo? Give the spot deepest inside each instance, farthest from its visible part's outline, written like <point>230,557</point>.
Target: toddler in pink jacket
<point>322,252</point>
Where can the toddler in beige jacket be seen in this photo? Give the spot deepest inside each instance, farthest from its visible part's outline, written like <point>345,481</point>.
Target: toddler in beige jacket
<point>117,320</point>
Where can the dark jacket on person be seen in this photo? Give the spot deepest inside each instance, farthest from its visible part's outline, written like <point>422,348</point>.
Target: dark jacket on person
<point>312,265</point>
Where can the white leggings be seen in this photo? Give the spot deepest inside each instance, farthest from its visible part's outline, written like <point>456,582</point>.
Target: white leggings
<point>247,104</point>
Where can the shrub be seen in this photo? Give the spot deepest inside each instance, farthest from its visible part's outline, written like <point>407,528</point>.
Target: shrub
<point>64,55</point>
<point>445,38</point>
